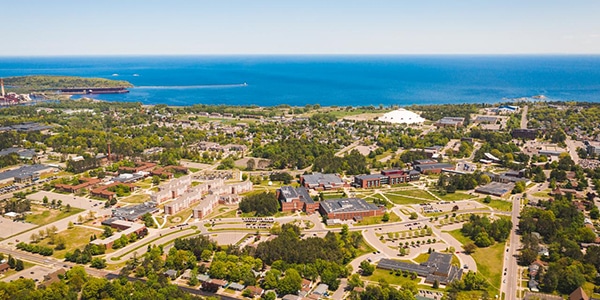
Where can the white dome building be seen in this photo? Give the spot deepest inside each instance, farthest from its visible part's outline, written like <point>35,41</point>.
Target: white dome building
<point>402,116</point>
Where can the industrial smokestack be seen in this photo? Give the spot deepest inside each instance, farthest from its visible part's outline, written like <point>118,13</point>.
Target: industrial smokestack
<point>2,84</point>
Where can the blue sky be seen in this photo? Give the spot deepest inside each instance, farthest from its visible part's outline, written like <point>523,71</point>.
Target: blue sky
<point>129,27</point>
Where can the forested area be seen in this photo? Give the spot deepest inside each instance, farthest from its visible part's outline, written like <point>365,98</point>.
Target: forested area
<point>451,183</point>
<point>485,232</point>
<point>262,204</point>
<point>77,284</point>
<point>35,83</point>
<point>561,226</point>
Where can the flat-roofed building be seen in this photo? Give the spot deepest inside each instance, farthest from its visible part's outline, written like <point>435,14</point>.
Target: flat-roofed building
<point>496,189</point>
<point>206,206</point>
<point>391,177</point>
<point>128,228</point>
<point>529,134</point>
<point>319,181</point>
<point>438,267</point>
<point>26,173</point>
<point>296,199</point>
<point>450,122</point>
<point>435,168</point>
<point>349,208</point>
<point>593,147</point>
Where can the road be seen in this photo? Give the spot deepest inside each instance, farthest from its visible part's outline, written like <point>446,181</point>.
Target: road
<point>524,117</point>
<point>510,277</point>
<point>572,146</point>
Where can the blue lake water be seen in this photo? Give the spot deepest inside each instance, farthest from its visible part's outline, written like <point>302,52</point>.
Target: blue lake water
<point>328,80</point>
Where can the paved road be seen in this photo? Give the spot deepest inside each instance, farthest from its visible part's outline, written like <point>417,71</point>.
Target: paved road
<point>510,277</point>
<point>572,146</point>
<point>524,117</point>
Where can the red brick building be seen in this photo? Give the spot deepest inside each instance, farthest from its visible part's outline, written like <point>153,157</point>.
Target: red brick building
<point>296,199</point>
<point>349,208</point>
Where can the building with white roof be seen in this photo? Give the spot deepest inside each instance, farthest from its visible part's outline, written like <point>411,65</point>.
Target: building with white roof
<point>402,116</point>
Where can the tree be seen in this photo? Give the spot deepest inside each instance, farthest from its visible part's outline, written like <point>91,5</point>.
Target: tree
<point>355,281</point>
<point>527,256</point>
<point>19,265</point>
<point>264,204</point>
<point>45,200</point>
<point>291,283</point>
<point>107,232</point>
<point>270,295</point>
<point>250,164</point>
<point>366,268</point>
<point>98,263</point>
<point>386,217</point>
<point>487,199</point>
<point>469,248</point>
<point>68,208</point>
<point>436,284</point>
<point>155,180</point>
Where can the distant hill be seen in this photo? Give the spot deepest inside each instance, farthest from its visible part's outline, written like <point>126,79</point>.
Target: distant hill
<point>39,83</point>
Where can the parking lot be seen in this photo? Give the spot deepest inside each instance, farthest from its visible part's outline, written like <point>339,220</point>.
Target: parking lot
<point>9,227</point>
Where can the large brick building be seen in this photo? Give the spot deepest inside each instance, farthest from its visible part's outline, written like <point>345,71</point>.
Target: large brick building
<point>349,208</point>
<point>319,181</point>
<point>391,177</point>
<point>296,199</point>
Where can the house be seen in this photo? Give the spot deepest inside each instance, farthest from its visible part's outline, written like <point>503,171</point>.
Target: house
<point>533,285</point>
<point>255,291</point>
<point>171,274</point>
<point>579,294</point>
<point>236,286</point>
<point>349,208</point>
<point>321,290</point>
<point>4,267</point>
<point>296,199</point>
<point>53,277</point>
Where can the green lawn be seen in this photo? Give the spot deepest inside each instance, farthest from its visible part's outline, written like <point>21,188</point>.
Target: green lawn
<point>414,193</point>
<point>140,198</point>
<point>488,260</point>
<point>377,220</point>
<point>401,200</point>
<point>179,217</point>
<point>335,195</point>
<point>542,194</point>
<point>502,205</point>
<point>76,238</point>
<point>42,216</point>
<point>457,196</point>
<point>380,274</point>
<point>423,257</point>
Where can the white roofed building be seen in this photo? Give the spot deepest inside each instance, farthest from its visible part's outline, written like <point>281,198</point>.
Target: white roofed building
<point>402,116</point>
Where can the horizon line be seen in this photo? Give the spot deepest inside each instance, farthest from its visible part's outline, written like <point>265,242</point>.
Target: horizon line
<point>295,54</point>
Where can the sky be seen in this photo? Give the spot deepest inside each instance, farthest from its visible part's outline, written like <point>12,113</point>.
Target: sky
<point>224,27</point>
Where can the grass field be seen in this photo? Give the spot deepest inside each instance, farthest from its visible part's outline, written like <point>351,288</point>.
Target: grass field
<point>380,274</point>
<point>182,216</point>
<point>333,195</point>
<point>140,198</point>
<point>76,238</point>
<point>457,196</point>
<point>414,193</point>
<point>498,204</point>
<point>488,260</point>
<point>401,200</point>
<point>42,216</point>
<point>377,220</point>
